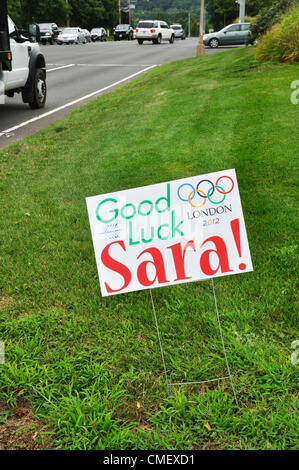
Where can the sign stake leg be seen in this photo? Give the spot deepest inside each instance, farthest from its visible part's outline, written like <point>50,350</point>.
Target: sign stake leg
<point>160,343</point>
<point>224,351</point>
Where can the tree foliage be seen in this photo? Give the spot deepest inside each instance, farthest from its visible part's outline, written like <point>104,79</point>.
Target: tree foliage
<point>83,13</point>
<point>92,13</point>
<point>269,17</point>
<point>223,12</point>
<point>39,11</point>
<point>219,13</point>
<point>281,42</point>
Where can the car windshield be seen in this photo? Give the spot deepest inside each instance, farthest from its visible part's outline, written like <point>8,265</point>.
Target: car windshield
<point>232,27</point>
<point>96,30</point>
<point>45,26</point>
<point>122,27</point>
<point>69,30</point>
<point>175,26</point>
<point>145,24</point>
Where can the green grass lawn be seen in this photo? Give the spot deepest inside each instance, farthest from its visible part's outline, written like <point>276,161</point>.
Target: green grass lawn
<point>90,367</point>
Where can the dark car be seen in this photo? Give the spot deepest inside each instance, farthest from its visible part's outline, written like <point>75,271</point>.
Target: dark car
<point>48,32</point>
<point>98,34</point>
<point>123,31</point>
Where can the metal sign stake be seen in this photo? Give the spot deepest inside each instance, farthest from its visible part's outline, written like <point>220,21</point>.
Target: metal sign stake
<point>222,340</point>
<point>168,384</point>
<point>160,343</point>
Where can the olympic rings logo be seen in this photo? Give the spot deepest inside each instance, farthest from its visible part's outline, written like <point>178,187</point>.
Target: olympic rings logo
<point>205,195</point>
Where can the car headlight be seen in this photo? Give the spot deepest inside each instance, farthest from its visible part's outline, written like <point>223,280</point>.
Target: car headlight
<point>205,37</point>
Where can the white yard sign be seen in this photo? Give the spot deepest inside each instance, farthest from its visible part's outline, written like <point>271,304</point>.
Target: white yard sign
<point>169,233</point>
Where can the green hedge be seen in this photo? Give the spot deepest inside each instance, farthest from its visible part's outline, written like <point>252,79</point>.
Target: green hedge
<point>281,43</point>
<point>268,17</point>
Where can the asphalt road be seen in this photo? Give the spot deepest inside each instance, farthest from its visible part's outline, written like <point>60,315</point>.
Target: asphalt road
<point>77,74</point>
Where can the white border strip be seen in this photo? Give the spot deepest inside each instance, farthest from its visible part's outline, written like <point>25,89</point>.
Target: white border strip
<point>61,67</point>
<point>115,65</point>
<point>60,108</point>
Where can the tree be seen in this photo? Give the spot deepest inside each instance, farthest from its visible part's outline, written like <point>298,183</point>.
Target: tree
<point>83,13</point>
<point>219,12</point>
<point>223,12</point>
<point>268,17</point>
<point>39,11</point>
<point>92,13</point>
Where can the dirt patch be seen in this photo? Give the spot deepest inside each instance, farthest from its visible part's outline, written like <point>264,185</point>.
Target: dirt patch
<point>20,430</point>
<point>207,446</point>
<point>5,300</point>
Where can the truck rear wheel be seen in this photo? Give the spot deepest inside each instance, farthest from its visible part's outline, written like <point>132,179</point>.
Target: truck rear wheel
<point>40,90</point>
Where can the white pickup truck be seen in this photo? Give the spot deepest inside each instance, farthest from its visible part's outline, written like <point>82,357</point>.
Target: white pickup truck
<point>22,65</point>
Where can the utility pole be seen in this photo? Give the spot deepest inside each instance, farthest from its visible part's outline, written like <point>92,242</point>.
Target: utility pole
<point>119,12</point>
<point>132,14</point>
<point>67,15</point>
<point>242,11</point>
<point>129,12</point>
<point>189,21</point>
<point>201,48</point>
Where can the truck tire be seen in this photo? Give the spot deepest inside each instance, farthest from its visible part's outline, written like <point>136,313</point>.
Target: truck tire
<point>40,90</point>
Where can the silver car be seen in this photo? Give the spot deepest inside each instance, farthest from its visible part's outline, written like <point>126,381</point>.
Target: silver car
<point>232,34</point>
<point>71,36</point>
<point>178,31</point>
<point>87,35</point>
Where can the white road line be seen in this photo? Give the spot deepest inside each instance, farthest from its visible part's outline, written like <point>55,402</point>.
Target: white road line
<point>115,65</point>
<point>60,108</point>
<point>62,67</point>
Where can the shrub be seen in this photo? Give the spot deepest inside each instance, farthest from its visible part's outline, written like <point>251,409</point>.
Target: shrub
<point>268,17</point>
<point>281,43</point>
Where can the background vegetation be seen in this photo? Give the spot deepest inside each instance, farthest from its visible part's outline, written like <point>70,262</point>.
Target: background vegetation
<point>219,13</point>
<point>281,42</point>
<point>268,17</point>
<point>83,13</point>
